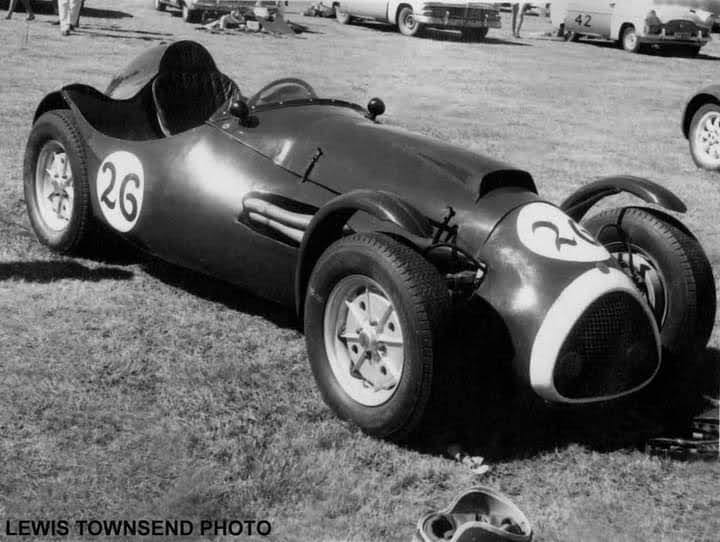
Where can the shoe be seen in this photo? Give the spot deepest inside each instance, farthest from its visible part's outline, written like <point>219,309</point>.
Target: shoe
<point>8,17</point>
<point>65,32</point>
<point>30,17</point>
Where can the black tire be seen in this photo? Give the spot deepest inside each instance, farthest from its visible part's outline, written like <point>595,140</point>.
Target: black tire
<point>59,126</point>
<point>702,158</point>
<point>692,51</point>
<point>421,300</point>
<point>571,36</point>
<point>629,40</point>
<point>190,15</point>
<point>343,17</point>
<point>475,34</point>
<point>159,5</point>
<point>690,299</point>
<point>406,22</point>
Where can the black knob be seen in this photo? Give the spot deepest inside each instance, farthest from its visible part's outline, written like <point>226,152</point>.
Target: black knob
<point>375,107</point>
<point>240,110</point>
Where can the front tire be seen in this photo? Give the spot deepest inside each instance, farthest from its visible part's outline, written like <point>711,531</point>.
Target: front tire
<point>475,34</point>
<point>374,314</point>
<point>407,24</point>
<point>678,283</point>
<point>629,40</point>
<point>56,185</point>
<point>704,137</point>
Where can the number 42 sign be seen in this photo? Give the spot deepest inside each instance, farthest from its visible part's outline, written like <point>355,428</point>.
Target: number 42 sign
<point>120,184</point>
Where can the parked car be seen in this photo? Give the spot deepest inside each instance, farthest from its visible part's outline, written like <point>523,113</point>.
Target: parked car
<point>701,127</point>
<point>194,10</point>
<point>375,235</point>
<point>412,16</point>
<point>639,23</point>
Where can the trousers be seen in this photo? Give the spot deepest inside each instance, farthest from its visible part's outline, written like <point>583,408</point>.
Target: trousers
<point>69,12</point>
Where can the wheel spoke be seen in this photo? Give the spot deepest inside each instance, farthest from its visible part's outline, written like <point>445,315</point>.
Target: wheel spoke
<point>355,312</point>
<point>367,302</point>
<point>385,317</point>
<point>390,341</point>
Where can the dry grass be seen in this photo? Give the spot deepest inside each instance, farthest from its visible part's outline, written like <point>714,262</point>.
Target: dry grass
<point>140,390</point>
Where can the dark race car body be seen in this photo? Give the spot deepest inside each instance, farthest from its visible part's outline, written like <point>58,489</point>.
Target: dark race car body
<point>254,192</point>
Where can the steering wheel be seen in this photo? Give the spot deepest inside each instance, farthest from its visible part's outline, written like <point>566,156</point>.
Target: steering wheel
<point>282,89</point>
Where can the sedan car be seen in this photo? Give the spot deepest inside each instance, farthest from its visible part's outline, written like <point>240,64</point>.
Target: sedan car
<point>640,23</point>
<point>375,235</point>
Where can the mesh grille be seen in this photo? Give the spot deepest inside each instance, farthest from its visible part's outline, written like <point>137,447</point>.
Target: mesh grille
<point>610,349</point>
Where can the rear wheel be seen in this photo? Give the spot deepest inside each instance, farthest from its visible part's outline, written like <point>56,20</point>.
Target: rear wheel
<point>671,268</point>
<point>704,137</point>
<point>407,24</point>
<point>629,40</point>
<point>475,34</point>
<point>374,313</point>
<point>56,186</point>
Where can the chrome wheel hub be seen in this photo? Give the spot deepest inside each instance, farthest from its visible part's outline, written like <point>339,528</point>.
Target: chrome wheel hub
<point>54,186</point>
<point>364,340</point>
<point>707,138</point>
<point>645,274</point>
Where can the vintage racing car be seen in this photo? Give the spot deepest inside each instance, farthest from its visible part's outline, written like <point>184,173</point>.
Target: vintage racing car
<point>373,234</point>
<point>640,23</point>
<point>701,127</point>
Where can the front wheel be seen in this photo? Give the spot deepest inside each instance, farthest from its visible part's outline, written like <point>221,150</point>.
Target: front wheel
<point>629,40</point>
<point>374,313</point>
<point>57,192</point>
<point>407,24</point>
<point>704,137</point>
<point>672,270</point>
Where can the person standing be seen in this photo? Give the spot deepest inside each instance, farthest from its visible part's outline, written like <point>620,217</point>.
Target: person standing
<point>518,16</point>
<point>558,11</point>
<point>28,9</point>
<point>69,12</point>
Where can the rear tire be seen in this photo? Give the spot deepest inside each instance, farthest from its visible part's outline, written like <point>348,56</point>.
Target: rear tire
<point>57,193</point>
<point>629,40</point>
<point>704,137</point>
<point>407,24</point>
<point>400,283</point>
<point>689,300</point>
<point>475,34</point>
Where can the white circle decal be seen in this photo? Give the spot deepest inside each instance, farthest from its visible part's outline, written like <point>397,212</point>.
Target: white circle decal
<point>549,232</point>
<point>120,184</point>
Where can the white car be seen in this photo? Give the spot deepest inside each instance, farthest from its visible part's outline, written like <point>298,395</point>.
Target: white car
<point>474,19</point>
<point>635,23</point>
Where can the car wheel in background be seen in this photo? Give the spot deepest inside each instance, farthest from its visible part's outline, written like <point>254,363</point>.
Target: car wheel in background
<point>704,137</point>
<point>56,186</point>
<point>407,24</point>
<point>629,39</point>
<point>343,17</point>
<point>190,15</point>
<point>374,313</point>
<point>475,34</point>
<point>693,50</point>
<point>571,36</point>
<point>159,5</point>
<point>672,270</point>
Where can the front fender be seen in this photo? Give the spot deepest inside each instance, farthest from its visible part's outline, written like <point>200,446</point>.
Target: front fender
<point>580,201</point>
<point>328,223</point>
<point>709,94</point>
<point>54,100</point>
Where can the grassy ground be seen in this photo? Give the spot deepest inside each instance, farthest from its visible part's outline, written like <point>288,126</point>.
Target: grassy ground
<point>140,390</point>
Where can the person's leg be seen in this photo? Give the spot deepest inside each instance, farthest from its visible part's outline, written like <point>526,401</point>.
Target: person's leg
<point>64,14</point>
<point>28,10</point>
<point>521,17</point>
<point>515,7</point>
<point>75,13</point>
<point>11,8</point>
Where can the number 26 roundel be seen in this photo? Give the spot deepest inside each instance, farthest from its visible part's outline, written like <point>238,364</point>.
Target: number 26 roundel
<point>120,185</point>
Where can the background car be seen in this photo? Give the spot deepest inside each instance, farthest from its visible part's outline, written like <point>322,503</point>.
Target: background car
<point>639,23</point>
<point>412,16</point>
<point>194,10</point>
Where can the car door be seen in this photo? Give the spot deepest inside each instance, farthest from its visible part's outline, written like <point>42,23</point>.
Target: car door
<point>376,9</point>
<point>591,17</point>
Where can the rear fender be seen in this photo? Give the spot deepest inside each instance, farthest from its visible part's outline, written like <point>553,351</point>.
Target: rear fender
<point>580,202</point>
<point>328,223</point>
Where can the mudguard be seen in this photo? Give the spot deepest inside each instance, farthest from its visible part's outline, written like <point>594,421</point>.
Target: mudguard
<point>580,201</point>
<point>327,226</point>
<point>709,94</point>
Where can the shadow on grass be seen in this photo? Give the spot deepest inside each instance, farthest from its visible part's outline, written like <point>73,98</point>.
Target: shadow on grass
<point>667,51</point>
<point>49,271</point>
<point>484,409</point>
<point>436,34</point>
<point>219,291</point>
<point>143,36</point>
<point>50,8</point>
